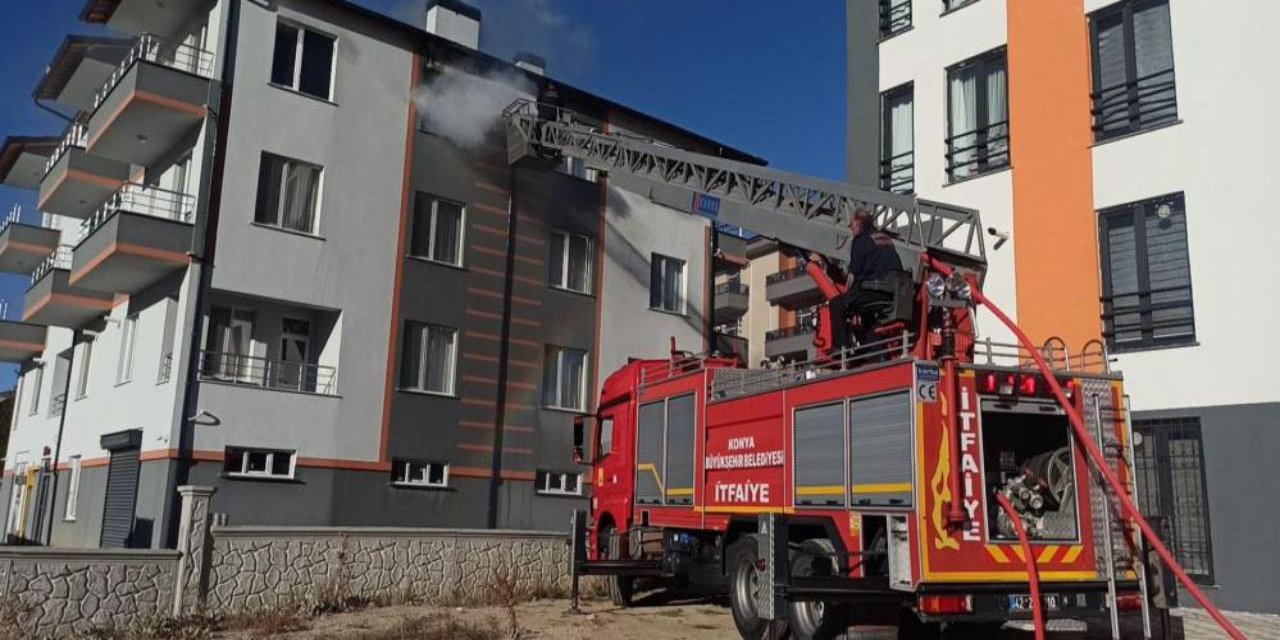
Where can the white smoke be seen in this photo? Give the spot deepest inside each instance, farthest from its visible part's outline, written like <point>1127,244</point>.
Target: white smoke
<point>464,108</point>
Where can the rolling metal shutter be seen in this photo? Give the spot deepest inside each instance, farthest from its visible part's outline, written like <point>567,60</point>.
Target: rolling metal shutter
<point>650,445</point>
<point>680,434</point>
<point>819,455</point>
<point>122,493</point>
<point>880,441</point>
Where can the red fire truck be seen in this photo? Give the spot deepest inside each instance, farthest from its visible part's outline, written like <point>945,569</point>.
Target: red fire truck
<point>926,479</point>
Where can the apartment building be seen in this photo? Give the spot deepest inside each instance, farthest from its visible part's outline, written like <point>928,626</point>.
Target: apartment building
<point>281,253</point>
<point>1115,149</point>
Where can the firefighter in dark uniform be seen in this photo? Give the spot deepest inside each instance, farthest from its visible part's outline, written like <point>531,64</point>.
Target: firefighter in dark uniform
<point>872,258</point>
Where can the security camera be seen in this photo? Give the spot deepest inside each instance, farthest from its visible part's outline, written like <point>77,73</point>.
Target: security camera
<point>1001,237</point>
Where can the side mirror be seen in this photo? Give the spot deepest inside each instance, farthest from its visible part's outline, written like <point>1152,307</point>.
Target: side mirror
<point>579,438</point>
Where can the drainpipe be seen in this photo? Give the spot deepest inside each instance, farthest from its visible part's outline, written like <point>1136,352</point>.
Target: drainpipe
<point>57,444</point>
<point>50,109</point>
<point>504,354</point>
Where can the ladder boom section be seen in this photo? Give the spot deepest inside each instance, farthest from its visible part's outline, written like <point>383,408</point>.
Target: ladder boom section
<point>800,211</point>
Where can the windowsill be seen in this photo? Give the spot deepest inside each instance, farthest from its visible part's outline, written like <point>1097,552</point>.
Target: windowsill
<point>989,172</point>
<point>437,263</point>
<point>947,12</point>
<point>121,383</point>
<point>256,387</point>
<point>304,95</point>
<point>576,412</point>
<point>431,394</point>
<point>80,397</point>
<point>422,487</point>
<point>1134,134</point>
<point>887,37</point>
<point>557,494</point>
<point>1120,351</point>
<point>292,232</point>
<point>72,519</point>
<point>585,294</point>
<point>261,478</point>
<point>679,314</point>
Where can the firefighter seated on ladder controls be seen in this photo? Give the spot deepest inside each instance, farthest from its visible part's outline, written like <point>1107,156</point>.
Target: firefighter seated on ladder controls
<point>873,263</point>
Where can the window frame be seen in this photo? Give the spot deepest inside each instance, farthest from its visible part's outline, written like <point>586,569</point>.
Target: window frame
<point>1125,8</point>
<point>1137,212</point>
<point>886,139</point>
<point>128,348</point>
<point>34,402</point>
<point>277,223</point>
<point>431,231</point>
<point>73,489</point>
<point>949,6</point>
<point>588,262</point>
<point>295,85</point>
<point>682,293</point>
<point>82,371</point>
<point>552,375</point>
<point>542,484</point>
<point>408,464</point>
<point>421,331</point>
<point>981,149</point>
<point>887,29</point>
<point>244,453</point>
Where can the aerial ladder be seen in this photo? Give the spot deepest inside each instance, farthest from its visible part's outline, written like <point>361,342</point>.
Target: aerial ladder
<point>941,245</point>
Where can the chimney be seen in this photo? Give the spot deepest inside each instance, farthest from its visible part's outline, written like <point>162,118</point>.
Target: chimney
<point>454,20</point>
<point>531,62</point>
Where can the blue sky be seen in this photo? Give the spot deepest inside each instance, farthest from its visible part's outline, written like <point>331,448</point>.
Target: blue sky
<point>760,75</point>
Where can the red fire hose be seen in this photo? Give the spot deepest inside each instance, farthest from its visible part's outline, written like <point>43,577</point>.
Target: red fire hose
<point>1084,440</point>
<point>1033,575</point>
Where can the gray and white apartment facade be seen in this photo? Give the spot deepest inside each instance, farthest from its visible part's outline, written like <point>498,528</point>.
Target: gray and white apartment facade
<point>1121,149</point>
<point>262,265</point>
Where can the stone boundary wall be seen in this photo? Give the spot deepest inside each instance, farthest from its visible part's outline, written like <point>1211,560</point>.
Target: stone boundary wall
<point>257,567</point>
<point>69,591</point>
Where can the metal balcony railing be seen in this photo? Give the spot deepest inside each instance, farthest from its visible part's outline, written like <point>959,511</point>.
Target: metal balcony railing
<point>57,405</point>
<point>978,151</point>
<point>235,368</point>
<point>77,135</point>
<point>155,50</point>
<point>895,16</point>
<point>60,258</point>
<point>898,173</point>
<point>143,200</point>
<point>1149,318</point>
<point>784,275</point>
<point>166,369</point>
<point>788,332</point>
<point>14,217</point>
<point>1146,102</point>
<point>726,288</point>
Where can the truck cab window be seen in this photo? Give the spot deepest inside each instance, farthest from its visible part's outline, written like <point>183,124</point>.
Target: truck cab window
<point>605,440</point>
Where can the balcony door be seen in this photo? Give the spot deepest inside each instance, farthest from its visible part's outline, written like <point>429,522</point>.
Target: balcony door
<point>295,353</point>
<point>229,346</point>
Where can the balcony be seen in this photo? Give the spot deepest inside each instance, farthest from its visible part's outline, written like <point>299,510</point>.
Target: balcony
<point>24,246</point>
<point>135,239</point>
<point>53,301</point>
<point>731,253</point>
<point>79,68</point>
<point>792,289</point>
<point>141,16</point>
<point>22,160</point>
<point>20,341</point>
<point>279,375</point>
<point>732,345</point>
<point>155,99</point>
<point>792,343</point>
<point>731,302</point>
<point>74,182</point>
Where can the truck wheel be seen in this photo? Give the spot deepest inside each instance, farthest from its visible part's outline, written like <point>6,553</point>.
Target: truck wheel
<point>744,582</point>
<point>621,588</point>
<point>817,620</point>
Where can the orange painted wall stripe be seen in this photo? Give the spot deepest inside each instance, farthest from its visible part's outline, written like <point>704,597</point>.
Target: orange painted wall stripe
<point>1054,226</point>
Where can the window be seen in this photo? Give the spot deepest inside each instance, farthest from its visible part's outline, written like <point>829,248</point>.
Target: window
<point>1133,83</point>
<point>73,488</point>
<point>36,378</point>
<point>606,437</point>
<point>288,194</point>
<point>266,463</point>
<point>564,379</point>
<point>577,167</point>
<point>420,473</point>
<point>570,262</point>
<point>303,60</point>
<point>429,358</point>
<point>229,346</point>
<point>1146,274</point>
<point>895,17</point>
<point>82,380</point>
<point>977,116</point>
<point>128,335</point>
<point>666,284</point>
<point>897,150</point>
<point>560,483</point>
<point>437,230</point>
<point>295,353</point>
<point>1169,465</point>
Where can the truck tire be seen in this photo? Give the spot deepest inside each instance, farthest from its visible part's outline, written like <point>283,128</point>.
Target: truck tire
<point>744,582</point>
<point>621,588</point>
<point>817,620</point>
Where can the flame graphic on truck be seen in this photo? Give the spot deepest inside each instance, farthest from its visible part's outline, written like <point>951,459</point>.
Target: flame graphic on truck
<point>940,485</point>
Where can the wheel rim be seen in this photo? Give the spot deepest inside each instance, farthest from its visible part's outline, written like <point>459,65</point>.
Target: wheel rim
<point>746,586</point>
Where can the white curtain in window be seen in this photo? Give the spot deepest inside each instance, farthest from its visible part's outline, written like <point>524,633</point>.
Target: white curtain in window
<point>579,263</point>
<point>300,184</point>
<point>964,117</point>
<point>900,137</point>
<point>573,366</point>
<point>438,349</point>
<point>997,112</point>
<point>447,243</point>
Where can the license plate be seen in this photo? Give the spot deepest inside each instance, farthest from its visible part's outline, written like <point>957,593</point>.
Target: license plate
<point>1022,602</point>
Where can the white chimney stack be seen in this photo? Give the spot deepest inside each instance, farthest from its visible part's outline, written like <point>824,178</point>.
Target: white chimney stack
<point>456,21</point>
<point>530,62</point>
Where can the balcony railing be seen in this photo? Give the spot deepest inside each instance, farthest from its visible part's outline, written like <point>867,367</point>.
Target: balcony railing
<point>898,173</point>
<point>166,369</point>
<point>280,375</point>
<point>785,275</point>
<point>14,217</point>
<point>1149,101</point>
<point>788,332</point>
<point>143,200</point>
<point>59,259</point>
<point>77,136</point>
<point>895,16</point>
<point>978,151</point>
<point>57,405</point>
<point>727,288</point>
<point>151,49</point>
<point>1151,318</point>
